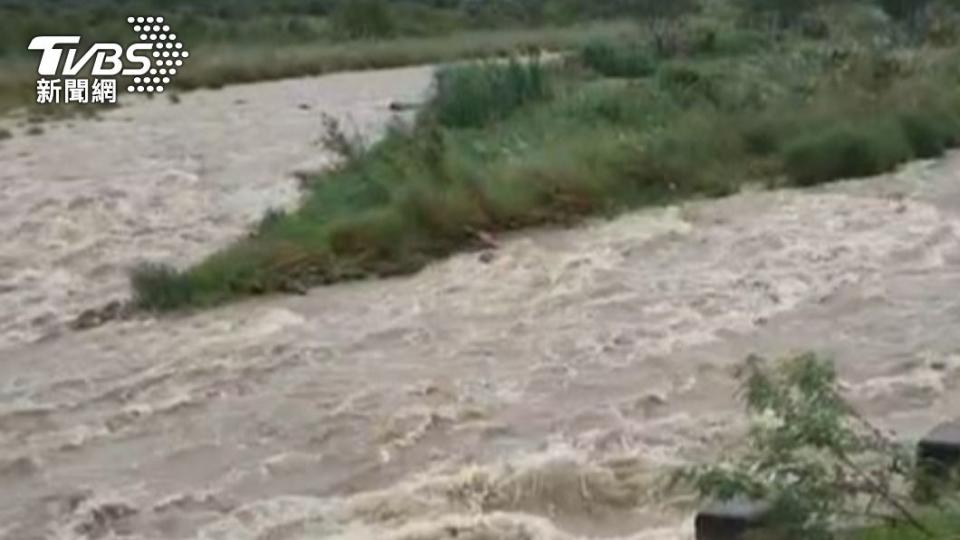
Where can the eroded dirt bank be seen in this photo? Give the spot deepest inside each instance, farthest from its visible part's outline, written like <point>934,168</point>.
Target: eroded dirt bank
<point>538,393</point>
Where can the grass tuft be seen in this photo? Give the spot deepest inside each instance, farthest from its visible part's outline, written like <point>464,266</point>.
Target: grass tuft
<point>930,132</point>
<point>160,287</point>
<point>471,96</point>
<point>848,151</point>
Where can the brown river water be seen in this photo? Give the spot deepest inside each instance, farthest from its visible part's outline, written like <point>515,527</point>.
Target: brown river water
<point>539,391</point>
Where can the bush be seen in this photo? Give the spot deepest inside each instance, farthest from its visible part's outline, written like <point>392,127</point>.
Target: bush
<point>474,95</point>
<point>812,457</point>
<point>929,133</point>
<point>845,152</point>
<point>159,287</point>
<point>618,61</point>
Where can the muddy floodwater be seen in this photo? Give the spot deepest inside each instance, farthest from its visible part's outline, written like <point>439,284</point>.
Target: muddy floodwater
<point>538,391</point>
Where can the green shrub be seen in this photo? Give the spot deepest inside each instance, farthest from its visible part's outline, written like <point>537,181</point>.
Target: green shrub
<point>159,287</point>
<point>696,156</point>
<point>845,152</point>
<point>929,133</point>
<point>819,465</point>
<point>474,95</point>
<point>618,61</point>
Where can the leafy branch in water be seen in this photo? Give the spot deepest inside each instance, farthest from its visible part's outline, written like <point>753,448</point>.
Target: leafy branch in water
<point>809,455</point>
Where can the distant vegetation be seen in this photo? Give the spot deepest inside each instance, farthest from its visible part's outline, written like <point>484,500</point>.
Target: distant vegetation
<point>697,102</point>
<point>201,22</point>
<point>248,40</point>
<point>219,65</point>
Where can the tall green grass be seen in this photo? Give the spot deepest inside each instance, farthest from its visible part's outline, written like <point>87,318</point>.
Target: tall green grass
<point>474,95</point>
<point>846,151</point>
<point>857,147</point>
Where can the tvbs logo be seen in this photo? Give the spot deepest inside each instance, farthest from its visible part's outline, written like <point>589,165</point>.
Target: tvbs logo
<point>147,65</point>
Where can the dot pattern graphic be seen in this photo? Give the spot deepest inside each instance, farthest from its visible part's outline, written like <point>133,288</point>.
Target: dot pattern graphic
<point>167,53</point>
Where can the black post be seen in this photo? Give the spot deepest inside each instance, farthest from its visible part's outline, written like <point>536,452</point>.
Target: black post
<point>731,520</point>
